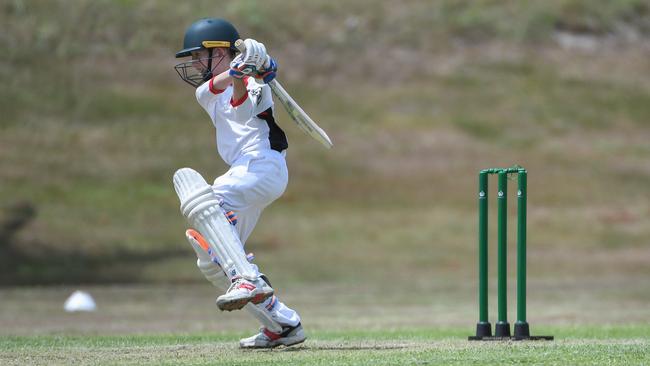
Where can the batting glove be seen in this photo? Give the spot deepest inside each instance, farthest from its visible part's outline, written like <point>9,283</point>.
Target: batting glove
<point>255,54</point>
<point>238,69</point>
<point>269,72</point>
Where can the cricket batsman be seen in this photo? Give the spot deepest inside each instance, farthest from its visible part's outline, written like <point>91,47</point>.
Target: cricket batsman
<point>232,88</point>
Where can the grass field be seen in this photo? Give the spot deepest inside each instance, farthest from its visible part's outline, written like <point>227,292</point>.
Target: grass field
<point>346,324</point>
<point>610,345</point>
<point>460,87</point>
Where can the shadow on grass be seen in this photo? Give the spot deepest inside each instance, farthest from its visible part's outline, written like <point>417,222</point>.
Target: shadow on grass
<point>334,347</point>
<point>25,262</point>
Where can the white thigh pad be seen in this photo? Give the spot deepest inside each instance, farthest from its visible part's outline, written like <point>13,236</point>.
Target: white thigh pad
<point>203,210</point>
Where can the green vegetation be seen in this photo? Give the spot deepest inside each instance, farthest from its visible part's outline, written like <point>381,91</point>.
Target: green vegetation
<point>417,100</point>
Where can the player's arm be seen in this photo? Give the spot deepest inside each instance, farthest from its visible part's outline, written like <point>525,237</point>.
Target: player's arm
<point>221,82</point>
<point>239,89</point>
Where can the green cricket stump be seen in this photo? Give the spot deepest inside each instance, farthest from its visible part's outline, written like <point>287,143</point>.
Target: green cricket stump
<point>502,327</point>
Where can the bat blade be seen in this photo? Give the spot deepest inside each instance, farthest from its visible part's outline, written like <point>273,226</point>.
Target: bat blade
<point>302,119</point>
<point>297,114</point>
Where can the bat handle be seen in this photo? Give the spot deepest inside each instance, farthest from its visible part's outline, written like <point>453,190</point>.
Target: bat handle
<point>240,45</point>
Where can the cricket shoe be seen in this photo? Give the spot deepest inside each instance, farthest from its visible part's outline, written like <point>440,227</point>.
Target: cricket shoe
<point>267,339</point>
<point>243,291</point>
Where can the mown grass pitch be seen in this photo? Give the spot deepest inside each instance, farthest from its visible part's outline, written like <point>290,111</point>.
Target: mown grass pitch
<point>612,345</point>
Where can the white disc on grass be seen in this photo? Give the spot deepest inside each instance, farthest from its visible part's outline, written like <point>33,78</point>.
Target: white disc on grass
<point>79,301</point>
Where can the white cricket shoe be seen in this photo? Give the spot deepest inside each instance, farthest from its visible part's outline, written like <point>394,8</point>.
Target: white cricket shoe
<point>243,291</point>
<point>267,339</point>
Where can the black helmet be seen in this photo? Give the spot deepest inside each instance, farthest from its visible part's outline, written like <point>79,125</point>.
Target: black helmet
<point>208,33</point>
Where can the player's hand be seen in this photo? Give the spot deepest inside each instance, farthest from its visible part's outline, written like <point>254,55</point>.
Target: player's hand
<point>255,54</point>
<point>269,72</point>
<point>254,61</point>
<point>238,69</point>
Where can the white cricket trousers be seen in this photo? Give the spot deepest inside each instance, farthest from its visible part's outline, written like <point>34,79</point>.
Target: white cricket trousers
<point>254,181</point>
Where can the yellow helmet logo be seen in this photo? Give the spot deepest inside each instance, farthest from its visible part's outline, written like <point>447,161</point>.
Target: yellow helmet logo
<point>212,44</point>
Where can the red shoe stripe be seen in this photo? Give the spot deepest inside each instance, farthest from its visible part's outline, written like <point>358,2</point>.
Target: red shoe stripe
<point>247,286</point>
<point>272,336</point>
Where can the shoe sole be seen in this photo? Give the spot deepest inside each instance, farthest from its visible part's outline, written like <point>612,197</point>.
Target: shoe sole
<point>291,344</point>
<point>274,345</point>
<point>230,305</point>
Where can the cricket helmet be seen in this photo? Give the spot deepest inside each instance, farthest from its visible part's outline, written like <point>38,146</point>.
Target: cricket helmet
<point>208,33</point>
<point>205,34</point>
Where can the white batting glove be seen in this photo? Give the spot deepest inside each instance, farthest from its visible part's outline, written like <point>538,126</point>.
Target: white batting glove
<point>255,54</point>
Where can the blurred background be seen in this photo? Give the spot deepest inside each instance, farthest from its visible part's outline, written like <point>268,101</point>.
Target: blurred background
<point>418,96</point>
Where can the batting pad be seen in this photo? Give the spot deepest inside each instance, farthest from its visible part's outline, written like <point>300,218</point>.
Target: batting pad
<point>203,211</point>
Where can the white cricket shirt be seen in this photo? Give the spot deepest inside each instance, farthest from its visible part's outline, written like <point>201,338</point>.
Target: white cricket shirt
<point>244,125</point>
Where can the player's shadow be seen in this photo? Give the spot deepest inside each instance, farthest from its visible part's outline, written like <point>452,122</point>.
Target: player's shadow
<point>335,347</point>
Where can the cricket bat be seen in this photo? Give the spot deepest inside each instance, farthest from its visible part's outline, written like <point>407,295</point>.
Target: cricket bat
<point>299,116</point>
